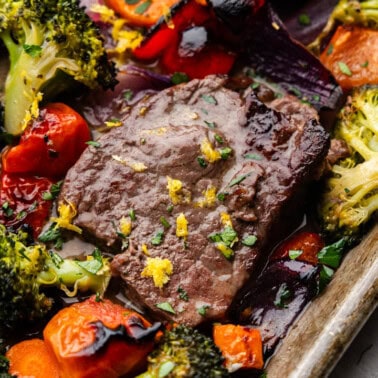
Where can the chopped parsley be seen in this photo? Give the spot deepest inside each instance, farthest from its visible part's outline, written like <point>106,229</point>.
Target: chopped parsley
<point>54,191</point>
<point>294,253</point>
<point>344,68</point>
<point>249,240</point>
<point>52,235</point>
<point>330,49</point>
<point>132,215</point>
<point>304,19</point>
<point>218,138</point>
<point>211,125</point>
<point>221,196</point>
<point>132,2</point>
<point>128,94</point>
<point>179,77</point>
<point>325,276</point>
<point>209,99</point>
<point>170,208</point>
<point>164,222</point>
<point>282,295</point>
<point>331,254</point>
<point>253,156</point>
<point>202,162</point>
<point>33,50</point>
<point>166,306</point>
<point>7,210</point>
<point>225,152</point>
<point>365,64</point>
<point>140,9</point>
<point>228,236</point>
<point>255,85</point>
<point>183,295</point>
<point>203,310</point>
<point>158,238</point>
<point>94,265</point>
<point>237,180</point>
<point>93,143</point>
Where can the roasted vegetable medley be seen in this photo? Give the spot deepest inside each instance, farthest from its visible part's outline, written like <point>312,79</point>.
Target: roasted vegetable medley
<point>179,179</point>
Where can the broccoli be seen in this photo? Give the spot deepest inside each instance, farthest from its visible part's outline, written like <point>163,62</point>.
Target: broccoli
<point>26,270</point>
<point>51,45</point>
<point>184,352</point>
<point>351,194</point>
<point>348,12</point>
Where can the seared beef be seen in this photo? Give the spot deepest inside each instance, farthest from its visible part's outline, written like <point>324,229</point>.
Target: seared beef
<point>274,155</point>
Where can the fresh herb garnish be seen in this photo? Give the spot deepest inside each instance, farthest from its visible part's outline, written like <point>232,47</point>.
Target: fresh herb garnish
<point>158,238</point>
<point>166,306</point>
<point>203,310</point>
<point>294,253</point>
<point>330,49</point>
<point>304,19</point>
<point>179,77</point>
<point>52,234</point>
<point>331,254</point>
<point>183,294</point>
<point>140,9</point>
<point>221,196</point>
<point>365,64</point>
<point>211,125</point>
<point>54,191</point>
<point>253,156</point>
<point>93,143</point>
<point>94,265</point>
<point>325,276</point>
<point>283,293</point>
<point>218,138</point>
<point>7,210</point>
<point>225,152</point>
<point>237,180</point>
<point>255,85</point>
<point>132,215</point>
<point>228,236</point>
<point>132,2</point>
<point>344,68</point>
<point>164,222</point>
<point>128,94</point>
<point>202,162</point>
<point>209,99</point>
<point>170,208</point>
<point>249,240</point>
<point>33,50</point>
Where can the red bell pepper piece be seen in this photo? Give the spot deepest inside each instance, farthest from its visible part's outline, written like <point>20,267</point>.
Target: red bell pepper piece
<point>22,202</point>
<point>50,145</point>
<point>302,246</point>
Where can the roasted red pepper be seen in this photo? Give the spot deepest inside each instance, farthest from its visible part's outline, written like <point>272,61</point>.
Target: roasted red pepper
<point>23,200</point>
<point>302,246</point>
<point>50,145</point>
<point>99,339</point>
<point>186,43</point>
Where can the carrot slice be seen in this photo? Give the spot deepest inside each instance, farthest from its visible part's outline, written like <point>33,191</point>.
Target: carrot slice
<point>141,12</point>
<point>32,358</point>
<point>352,56</point>
<point>240,346</point>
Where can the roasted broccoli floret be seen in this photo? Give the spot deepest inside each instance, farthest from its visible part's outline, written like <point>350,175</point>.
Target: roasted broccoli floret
<point>351,194</point>
<point>185,352</point>
<point>26,270</point>
<point>349,12</point>
<point>51,44</point>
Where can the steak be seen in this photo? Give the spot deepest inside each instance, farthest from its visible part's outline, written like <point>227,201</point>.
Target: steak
<point>207,175</point>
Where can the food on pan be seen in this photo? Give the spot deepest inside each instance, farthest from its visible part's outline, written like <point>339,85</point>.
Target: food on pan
<point>179,180</point>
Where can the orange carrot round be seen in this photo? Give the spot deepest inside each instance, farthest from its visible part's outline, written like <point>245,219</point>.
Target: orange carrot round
<point>352,56</point>
<point>32,358</point>
<point>240,346</point>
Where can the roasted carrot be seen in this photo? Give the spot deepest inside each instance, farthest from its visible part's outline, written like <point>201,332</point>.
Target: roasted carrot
<point>99,339</point>
<point>141,12</point>
<point>32,358</point>
<point>352,56</point>
<point>240,346</point>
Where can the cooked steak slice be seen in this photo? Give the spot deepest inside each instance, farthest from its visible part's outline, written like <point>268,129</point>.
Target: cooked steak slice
<point>200,153</point>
